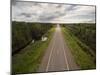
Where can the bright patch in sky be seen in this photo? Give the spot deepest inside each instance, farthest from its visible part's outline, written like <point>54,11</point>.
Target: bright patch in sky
<point>53,13</point>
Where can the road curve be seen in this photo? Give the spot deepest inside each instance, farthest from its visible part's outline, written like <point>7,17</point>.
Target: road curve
<point>58,56</point>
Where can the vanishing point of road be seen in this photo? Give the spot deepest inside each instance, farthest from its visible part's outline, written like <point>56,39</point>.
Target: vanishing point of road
<point>58,56</point>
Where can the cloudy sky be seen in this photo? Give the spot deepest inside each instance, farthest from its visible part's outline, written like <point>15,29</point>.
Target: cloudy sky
<point>53,13</point>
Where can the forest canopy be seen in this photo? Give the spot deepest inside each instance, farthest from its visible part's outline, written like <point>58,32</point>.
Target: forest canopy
<point>23,33</point>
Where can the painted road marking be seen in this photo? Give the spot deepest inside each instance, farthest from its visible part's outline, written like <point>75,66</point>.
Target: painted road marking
<point>50,56</point>
<point>66,59</point>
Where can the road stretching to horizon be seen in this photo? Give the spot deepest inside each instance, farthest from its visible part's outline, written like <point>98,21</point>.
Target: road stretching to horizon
<point>58,56</point>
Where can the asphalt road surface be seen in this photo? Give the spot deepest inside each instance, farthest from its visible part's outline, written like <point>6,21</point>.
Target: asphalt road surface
<point>58,56</point>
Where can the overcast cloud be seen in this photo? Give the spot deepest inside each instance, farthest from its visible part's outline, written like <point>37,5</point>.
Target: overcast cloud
<point>54,13</point>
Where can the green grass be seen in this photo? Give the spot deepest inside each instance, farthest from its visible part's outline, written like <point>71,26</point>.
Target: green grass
<point>28,59</point>
<point>82,58</point>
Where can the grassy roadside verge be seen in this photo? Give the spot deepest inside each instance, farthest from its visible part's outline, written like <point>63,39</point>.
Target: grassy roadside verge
<point>28,59</point>
<point>83,59</point>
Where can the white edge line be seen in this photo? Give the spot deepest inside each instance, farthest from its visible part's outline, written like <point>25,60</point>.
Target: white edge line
<point>49,58</point>
<point>66,60</point>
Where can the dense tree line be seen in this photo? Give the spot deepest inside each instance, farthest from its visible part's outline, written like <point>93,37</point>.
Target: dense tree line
<point>86,32</point>
<point>23,33</point>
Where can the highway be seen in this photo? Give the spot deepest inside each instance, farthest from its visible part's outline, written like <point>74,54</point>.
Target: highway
<point>58,56</point>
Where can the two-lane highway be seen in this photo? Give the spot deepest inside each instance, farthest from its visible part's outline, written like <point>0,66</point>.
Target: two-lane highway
<point>58,56</point>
